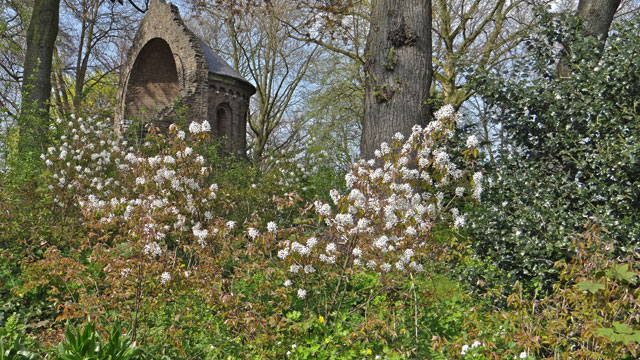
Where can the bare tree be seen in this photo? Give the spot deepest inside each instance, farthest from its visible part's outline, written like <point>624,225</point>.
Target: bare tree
<point>259,47</point>
<point>89,52</point>
<point>12,44</point>
<point>479,33</point>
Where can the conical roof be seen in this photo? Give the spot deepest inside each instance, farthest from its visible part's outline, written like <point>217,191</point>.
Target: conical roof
<point>218,66</point>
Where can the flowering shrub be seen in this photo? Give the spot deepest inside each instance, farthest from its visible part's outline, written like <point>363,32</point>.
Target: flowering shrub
<point>384,223</point>
<point>153,224</point>
<point>149,219</point>
<point>156,231</point>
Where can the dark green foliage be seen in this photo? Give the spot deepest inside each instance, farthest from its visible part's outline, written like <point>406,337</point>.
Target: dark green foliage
<point>574,150</point>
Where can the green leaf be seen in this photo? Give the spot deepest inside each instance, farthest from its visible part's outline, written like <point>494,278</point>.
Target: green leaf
<point>622,273</point>
<point>622,328</point>
<point>588,285</point>
<point>606,332</point>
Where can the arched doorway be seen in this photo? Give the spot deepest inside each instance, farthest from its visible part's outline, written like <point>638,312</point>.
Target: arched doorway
<point>153,83</point>
<point>223,121</point>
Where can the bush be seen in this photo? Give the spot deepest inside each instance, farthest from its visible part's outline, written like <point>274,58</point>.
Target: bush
<point>592,313</point>
<point>573,151</point>
<point>154,227</point>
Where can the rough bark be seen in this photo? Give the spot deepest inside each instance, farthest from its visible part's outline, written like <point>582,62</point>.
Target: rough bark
<point>398,71</point>
<point>36,84</point>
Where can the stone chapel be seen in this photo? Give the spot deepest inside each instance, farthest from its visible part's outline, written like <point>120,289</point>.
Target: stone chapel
<point>169,68</point>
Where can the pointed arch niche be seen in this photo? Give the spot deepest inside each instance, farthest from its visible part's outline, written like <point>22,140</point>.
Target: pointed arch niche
<point>153,84</point>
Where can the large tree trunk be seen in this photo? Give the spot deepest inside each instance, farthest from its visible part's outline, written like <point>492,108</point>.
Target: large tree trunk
<point>36,84</point>
<point>398,71</point>
<point>597,16</point>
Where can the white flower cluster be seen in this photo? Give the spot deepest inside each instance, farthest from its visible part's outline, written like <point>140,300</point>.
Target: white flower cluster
<point>196,127</point>
<point>472,142</point>
<point>384,221</point>
<point>165,278</point>
<point>466,348</point>
<point>147,197</point>
<point>445,112</point>
<point>84,154</point>
<point>152,249</point>
<point>253,233</point>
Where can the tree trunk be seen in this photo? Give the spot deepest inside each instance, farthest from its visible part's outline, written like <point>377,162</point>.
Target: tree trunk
<point>36,84</point>
<point>597,16</point>
<point>398,71</point>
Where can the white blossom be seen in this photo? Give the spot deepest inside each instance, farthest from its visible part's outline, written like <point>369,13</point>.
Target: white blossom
<point>302,293</point>
<point>384,148</point>
<point>205,126</point>
<point>444,112</point>
<point>381,242</point>
<point>195,128</point>
<point>165,277</point>
<point>253,233</point>
<point>464,349</point>
<point>335,196</point>
<point>350,180</point>
<point>323,209</point>
<point>168,159</point>
<point>152,249</point>
<point>344,219</point>
<point>327,259</point>
<point>312,242</point>
<point>282,254</point>
<point>472,141</point>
